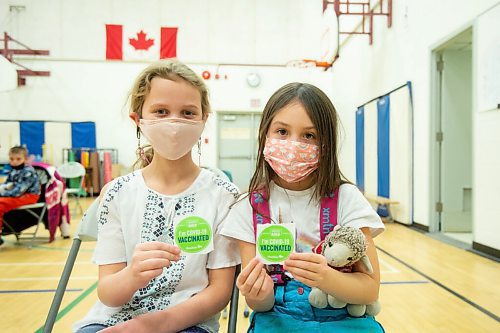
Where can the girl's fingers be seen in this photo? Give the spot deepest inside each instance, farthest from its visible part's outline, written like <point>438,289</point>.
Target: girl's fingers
<point>149,275</point>
<point>247,278</point>
<point>268,285</point>
<point>304,265</point>
<point>307,282</point>
<point>257,286</point>
<point>309,257</point>
<point>153,264</point>
<point>251,280</point>
<point>245,272</point>
<point>299,272</point>
<point>158,254</point>
<point>148,246</point>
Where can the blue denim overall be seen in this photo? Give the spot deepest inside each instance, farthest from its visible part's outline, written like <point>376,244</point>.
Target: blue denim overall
<point>292,311</point>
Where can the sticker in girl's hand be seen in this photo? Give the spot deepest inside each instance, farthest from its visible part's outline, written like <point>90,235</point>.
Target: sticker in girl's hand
<point>194,235</point>
<point>275,242</point>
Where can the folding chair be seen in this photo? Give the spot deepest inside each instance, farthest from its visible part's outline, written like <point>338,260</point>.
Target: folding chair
<point>74,172</point>
<point>24,217</point>
<point>87,232</point>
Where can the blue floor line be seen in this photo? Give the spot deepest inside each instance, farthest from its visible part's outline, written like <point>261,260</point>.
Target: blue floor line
<point>43,247</point>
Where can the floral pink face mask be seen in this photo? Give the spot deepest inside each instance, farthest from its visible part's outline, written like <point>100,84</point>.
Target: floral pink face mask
<point>291,160</point>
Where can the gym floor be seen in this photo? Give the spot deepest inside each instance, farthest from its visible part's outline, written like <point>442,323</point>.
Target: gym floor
<point>427,285</point>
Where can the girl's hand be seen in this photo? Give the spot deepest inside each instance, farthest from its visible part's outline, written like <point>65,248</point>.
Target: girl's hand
<point>148,261</point>
<point>254,282</point>
<point>308,268</point>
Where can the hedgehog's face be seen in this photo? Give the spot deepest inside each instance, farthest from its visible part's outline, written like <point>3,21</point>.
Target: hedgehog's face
<point>338,254</point>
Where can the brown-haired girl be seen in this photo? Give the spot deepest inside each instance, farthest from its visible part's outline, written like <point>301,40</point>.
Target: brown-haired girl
<point>297,171</point>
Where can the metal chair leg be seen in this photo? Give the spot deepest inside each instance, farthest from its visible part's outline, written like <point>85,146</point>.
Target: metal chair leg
<point>61,287</point>
<point>233,307</point>
<point>40,218</point>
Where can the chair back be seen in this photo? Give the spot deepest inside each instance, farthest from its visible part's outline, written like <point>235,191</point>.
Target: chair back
<point>71,169</point>
<point>74,174</point>
<point>43,178</point>
<point>87,228</point>
<point>43,175</point>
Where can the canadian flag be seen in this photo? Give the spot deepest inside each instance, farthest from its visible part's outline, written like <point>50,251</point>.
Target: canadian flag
<point>140,43</point>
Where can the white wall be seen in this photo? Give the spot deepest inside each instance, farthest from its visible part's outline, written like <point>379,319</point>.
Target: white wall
<point>486,125</point>
<point>212,34</point>
<point>85,87</point>
<point>403,53</point>
<point>97,91</point>
<point>216,31</point>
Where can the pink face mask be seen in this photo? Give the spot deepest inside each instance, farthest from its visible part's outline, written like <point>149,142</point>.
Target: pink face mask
<point>291,160</point>
<point>172,138</point>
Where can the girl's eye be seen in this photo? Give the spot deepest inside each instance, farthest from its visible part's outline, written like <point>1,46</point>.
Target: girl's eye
<point>281,131</point>
<point>161,111</point>
<point>188,113</point>
<point>310,136</point>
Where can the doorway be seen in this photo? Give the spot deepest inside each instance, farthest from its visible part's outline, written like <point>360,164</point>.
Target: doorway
<point>237,144</point>
<point>453,63</point>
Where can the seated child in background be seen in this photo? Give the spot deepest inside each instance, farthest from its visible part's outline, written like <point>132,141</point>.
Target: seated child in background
<point>21,187</point>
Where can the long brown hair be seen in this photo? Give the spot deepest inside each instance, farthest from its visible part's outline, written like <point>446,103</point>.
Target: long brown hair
<point>325,119</point>
<point>170,70</point>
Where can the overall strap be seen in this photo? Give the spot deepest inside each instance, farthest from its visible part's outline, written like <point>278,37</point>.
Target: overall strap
<point>260,209</point>
<point>262,215</point>
<point>328,213</point>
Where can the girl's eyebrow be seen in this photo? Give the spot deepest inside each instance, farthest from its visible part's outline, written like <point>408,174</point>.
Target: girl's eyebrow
<point>156,105</point>
<point>280,123</point>
<point>194,106</point>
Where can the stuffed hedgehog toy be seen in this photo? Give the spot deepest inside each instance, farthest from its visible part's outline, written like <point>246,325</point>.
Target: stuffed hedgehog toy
<point>343,247</point>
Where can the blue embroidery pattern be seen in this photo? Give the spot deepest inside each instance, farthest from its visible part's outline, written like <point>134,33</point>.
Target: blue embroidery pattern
<point>227,186</point>
<point>157,225</point>
<point>110,196</point>
<point>185,205</point>
<point>156,296</point>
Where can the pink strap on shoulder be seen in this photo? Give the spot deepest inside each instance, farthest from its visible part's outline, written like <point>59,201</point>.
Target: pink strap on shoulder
<point>328,213</point>
<point>260,210</point>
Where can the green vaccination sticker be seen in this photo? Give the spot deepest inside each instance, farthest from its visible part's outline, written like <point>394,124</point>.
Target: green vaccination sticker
<point>275,242</point>
<point>193,234</point>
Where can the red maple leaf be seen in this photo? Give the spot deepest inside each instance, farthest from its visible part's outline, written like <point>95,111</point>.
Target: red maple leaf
<point>141,43</point>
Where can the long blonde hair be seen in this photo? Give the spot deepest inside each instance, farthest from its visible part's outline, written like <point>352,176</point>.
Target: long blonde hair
<point>170,70</point>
